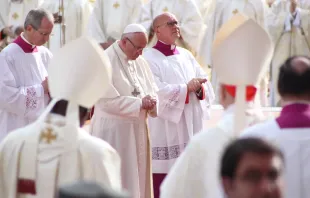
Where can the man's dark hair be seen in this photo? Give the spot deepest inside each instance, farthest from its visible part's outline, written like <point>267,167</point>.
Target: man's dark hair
<point>238,148</point>
<point>291,81</point>
<point>61,109</point>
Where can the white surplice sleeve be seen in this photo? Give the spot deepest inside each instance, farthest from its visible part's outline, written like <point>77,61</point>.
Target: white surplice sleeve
<point>208,89</point>
<point>26,101</point>
<point>95,24</point>
<point>195,171</point>
<point>171,97</point>
<point>191,24</point>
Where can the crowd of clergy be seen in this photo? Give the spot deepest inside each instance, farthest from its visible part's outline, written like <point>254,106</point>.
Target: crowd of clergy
<point>110,98</point>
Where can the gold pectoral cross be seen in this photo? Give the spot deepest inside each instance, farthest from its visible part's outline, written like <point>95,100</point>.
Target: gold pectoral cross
<point>116,5</point>
<point>48,135</point>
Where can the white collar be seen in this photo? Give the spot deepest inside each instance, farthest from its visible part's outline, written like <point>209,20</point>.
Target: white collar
<point>22,36</point>
<point>172,47</point>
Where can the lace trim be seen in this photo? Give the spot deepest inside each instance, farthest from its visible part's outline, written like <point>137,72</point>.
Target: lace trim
<point>31,99</point>
<point>167,153</point>
<point>175,97</point>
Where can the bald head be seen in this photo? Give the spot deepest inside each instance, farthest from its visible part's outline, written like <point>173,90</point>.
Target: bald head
<point>166,28</point>
<point>294,78</point>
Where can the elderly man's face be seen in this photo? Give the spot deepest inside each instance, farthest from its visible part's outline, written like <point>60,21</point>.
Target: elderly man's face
<point>257,176</point>
<point>135,45</point>
<point>168,28</point>
<point>41,35</point>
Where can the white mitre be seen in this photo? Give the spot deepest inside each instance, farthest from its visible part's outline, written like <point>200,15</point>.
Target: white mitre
<point>241,54</point>
<point>134,28</point>
<point>79,73</point>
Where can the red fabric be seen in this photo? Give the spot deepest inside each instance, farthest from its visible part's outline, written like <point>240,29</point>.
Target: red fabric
<point>157,180</point>
<point>1,36</point>
<point>26,186</point>
<point>26,47</point>
<point>187,98</point>
<point>91,113</point>
<point>203,93</point>
<point>250,91</point>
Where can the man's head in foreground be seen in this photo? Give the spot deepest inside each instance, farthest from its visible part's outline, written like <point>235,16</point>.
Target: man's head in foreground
<point>252,168</point>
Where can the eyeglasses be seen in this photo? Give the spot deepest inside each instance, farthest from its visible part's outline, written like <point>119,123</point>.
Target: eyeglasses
<point>137,48</point>
<point>169,24</point>
<point>43,33</point>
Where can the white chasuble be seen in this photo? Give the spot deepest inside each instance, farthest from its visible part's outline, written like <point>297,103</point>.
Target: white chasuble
<point>291,36</point>
<point>291,133</point>
<point>36,160</point>
<point>77,13</point>
<point>195,173</point>
<point>110,17</point>
<point>224,10</point>
<point>180,115</point>
<point>120,120</point>
<point>187,14</point>
<point>22,98</point>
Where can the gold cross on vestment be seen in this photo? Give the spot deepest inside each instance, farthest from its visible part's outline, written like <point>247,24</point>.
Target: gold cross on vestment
<point>165,9</point>
<point>15,16</point>
<point>116,5</point>
<point>235,11</point>
<point>61,8</point>
<point>48,136</point>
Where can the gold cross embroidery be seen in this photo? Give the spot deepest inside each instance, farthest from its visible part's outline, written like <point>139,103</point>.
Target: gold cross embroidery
<point>48,136</point>
<point>15,16</point>
<point>165,9</point>
<point>235,11</point>
<point>116,5</point>
<point>61,8</point>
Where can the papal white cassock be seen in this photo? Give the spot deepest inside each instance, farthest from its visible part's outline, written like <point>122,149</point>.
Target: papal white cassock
<point>14,12</point>
<point>54,150</point>
<point>188,15</point>
<point>180,115</point>
<point>120,120</point>
<point>196,172</point>
<point>291,36</point>
<point>109,18</point>
<point>22,98</point>
<point>291,132</point>
<point>77,13</point>
<point>223,11</point>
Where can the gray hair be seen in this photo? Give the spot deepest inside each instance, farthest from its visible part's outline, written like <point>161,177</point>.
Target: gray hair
<point>35,16</point>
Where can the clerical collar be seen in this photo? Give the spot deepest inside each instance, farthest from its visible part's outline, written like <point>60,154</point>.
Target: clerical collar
<point>167,50</point>
<point>294,115</point>
<point>26,46</point>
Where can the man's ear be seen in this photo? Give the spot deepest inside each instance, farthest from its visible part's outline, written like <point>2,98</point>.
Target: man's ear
<point>227,185</point>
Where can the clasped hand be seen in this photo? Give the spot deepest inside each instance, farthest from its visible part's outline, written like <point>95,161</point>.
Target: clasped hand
<point>195,84</point>
<point>148,102</point>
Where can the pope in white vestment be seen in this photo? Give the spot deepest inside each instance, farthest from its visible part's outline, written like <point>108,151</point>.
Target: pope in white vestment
<point>76,18</point>
<point>189,19</point>
<point>223,11</point>
<point>110,17</point>
<point>120,117</point>
<point>290,30</point>
<point>196,172</point>
<point>54,150</point>
<point>23,71</point>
